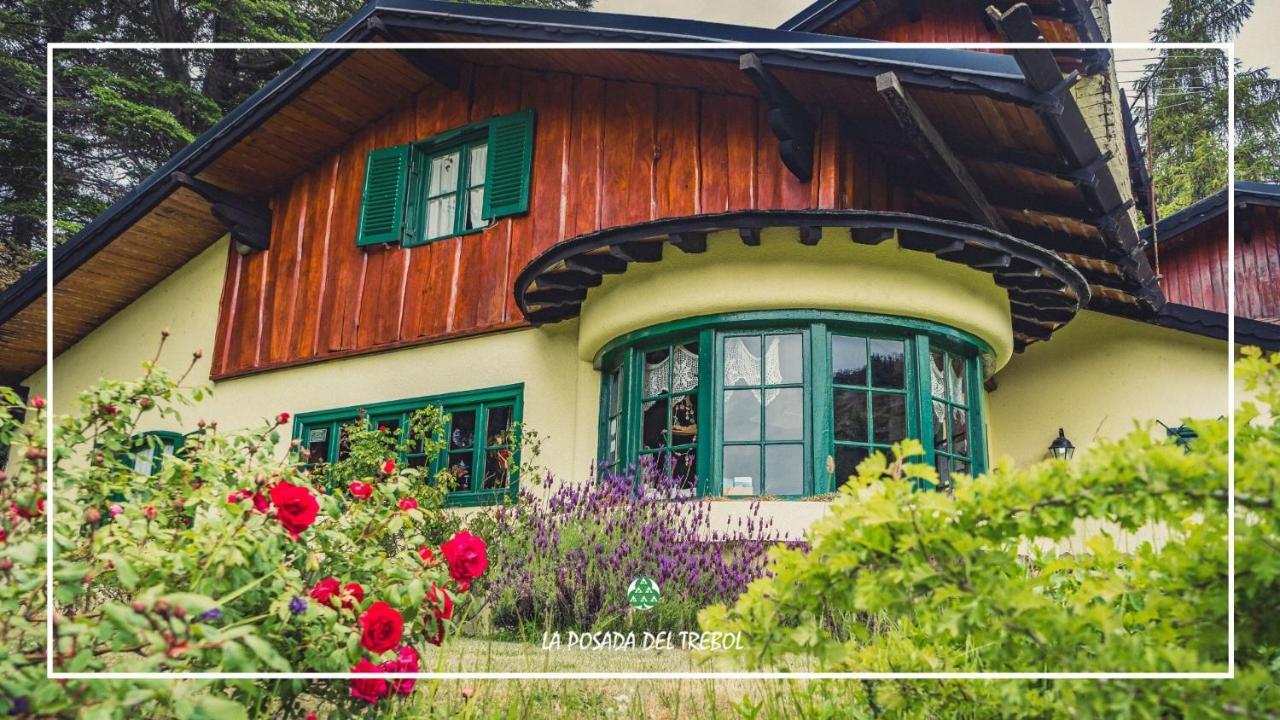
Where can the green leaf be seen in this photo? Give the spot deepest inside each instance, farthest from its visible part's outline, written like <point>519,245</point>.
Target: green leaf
<point>216,708</point>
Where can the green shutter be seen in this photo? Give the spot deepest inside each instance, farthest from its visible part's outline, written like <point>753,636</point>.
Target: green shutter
<point>382,204</point>
<point>510,157</point>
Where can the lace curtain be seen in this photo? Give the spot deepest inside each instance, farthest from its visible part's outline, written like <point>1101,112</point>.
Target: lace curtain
<point>742,367</point>
<point>681,367</point>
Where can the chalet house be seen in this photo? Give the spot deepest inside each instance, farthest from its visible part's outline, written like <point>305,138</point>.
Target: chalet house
<point>751,266</point>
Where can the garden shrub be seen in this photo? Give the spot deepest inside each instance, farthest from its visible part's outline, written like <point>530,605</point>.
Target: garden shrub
<point>229,557</point>
<point>563,562</point>
<point>940,585</point>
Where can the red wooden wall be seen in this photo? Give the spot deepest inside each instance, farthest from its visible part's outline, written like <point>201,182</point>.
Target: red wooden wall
<point>606,153</point>
<point>1194,266</point>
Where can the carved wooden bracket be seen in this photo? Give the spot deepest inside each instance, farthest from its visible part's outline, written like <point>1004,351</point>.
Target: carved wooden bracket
<point>788,120</point>
<point>247,220</point>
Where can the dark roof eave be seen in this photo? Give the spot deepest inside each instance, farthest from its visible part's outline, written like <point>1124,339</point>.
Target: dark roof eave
<point>1213,324</point>
<point>1202,211</point>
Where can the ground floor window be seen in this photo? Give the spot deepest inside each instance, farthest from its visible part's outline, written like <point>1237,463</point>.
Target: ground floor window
<point>150,448</point>
<point>786,404</point>
<point>480,447</point>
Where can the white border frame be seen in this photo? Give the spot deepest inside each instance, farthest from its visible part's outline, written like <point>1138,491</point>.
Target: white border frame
<point>1227,48</point>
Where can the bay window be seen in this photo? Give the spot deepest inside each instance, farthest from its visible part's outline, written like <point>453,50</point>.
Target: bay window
<point>786,404</point>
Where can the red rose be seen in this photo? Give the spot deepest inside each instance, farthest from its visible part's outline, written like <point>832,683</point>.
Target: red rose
<point>3,535</point>
<point>360,490</point>
<point>282,418</point>
<point>406,661</point>
<point>441,602</point>
<point>37,402</point>
<point>233,497</point>
<point>388,467</point>
<point>352,595</point>
<point>150,512</point>
<point>467,557</point>
<point>295,507</point>
<point>260,502</point>
<point>408,504</point>
<point>380,627</point>
<point>368,689</point>
<point>325,590</point>
<point>425,553</point>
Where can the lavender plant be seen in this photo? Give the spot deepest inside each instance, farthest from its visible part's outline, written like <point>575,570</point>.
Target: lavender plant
<point>564,561</point>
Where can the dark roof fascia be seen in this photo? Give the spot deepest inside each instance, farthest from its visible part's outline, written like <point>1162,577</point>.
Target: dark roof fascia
<point>191,159</point>
<point>1213,324</point>
<point>816,15</point>
<point>993,74</point>
<point>1139,176</point>
<point>1202,211</point>
<point>990,72</point>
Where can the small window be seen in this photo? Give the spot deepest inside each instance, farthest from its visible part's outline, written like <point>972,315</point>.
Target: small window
<point>150,449</point>
<point>455,190</point>
<point>480,448</point>
<point>451,184</point>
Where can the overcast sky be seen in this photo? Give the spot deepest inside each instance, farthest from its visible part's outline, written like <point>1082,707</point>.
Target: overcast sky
<point>1131,20</point>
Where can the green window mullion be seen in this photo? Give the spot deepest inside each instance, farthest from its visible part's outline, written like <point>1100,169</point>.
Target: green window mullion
<point>478,440</point>
<point>924,396</point>
<point>705,443</point>
<point>821,408</point>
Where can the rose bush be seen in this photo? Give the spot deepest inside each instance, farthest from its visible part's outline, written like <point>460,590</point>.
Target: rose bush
<point>233,555</point>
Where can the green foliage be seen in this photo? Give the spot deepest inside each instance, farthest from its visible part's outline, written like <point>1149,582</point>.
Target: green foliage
<point>1188,98</point>
<point>205,565</point>
<point>939,583</point>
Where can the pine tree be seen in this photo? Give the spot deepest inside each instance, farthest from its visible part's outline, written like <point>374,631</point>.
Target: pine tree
<point>1188,106</point>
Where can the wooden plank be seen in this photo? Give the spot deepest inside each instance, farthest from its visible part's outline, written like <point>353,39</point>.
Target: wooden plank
<point>586,157</point>
<point>713,154</point>
<point>741,119</point>
<point>676,168</point>
<point>548,205</point>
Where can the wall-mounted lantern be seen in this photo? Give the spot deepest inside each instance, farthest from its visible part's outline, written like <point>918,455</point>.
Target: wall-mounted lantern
<point>1061,448</point>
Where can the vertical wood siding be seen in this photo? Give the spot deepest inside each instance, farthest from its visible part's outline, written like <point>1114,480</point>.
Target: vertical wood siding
<point>606,153</point>
<point>1194,267</point>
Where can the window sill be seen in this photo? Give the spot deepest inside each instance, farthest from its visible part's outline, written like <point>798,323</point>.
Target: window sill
<point>480,499</point>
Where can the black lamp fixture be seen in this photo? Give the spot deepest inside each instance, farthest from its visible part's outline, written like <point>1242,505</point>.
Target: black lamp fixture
<point>1061,448</point>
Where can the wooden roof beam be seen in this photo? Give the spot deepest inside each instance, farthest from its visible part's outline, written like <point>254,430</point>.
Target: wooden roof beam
<point>788,119</point>
<point>431,63</point>
<point>247,220</point>
<point>921,132</point>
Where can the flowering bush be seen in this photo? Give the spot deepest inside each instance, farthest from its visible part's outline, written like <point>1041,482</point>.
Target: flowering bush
<point>228,557</point>
<point>953,583</point>
<point>564,562</point>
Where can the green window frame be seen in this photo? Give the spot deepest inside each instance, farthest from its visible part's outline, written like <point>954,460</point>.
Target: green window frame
<point>319,432</point>
<point>448,185</point>
<point>854,383</point>
<point>142,457</point>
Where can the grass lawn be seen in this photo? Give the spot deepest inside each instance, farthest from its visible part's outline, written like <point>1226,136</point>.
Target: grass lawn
<point>667,699</point>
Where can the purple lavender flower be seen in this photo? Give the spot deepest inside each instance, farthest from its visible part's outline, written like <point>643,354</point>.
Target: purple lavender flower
<point>211,615</point>
<point>297,605</point>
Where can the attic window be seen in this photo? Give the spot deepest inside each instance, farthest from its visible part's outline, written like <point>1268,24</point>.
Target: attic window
<point>447,185</point>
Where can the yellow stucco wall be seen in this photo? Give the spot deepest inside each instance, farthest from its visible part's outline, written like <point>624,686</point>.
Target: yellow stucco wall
<point>1096,377</point>
<point>836,274</point>
<point>561,392</point>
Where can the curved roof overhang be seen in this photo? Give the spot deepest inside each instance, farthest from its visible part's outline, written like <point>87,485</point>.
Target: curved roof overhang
<point>1045,291</point>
